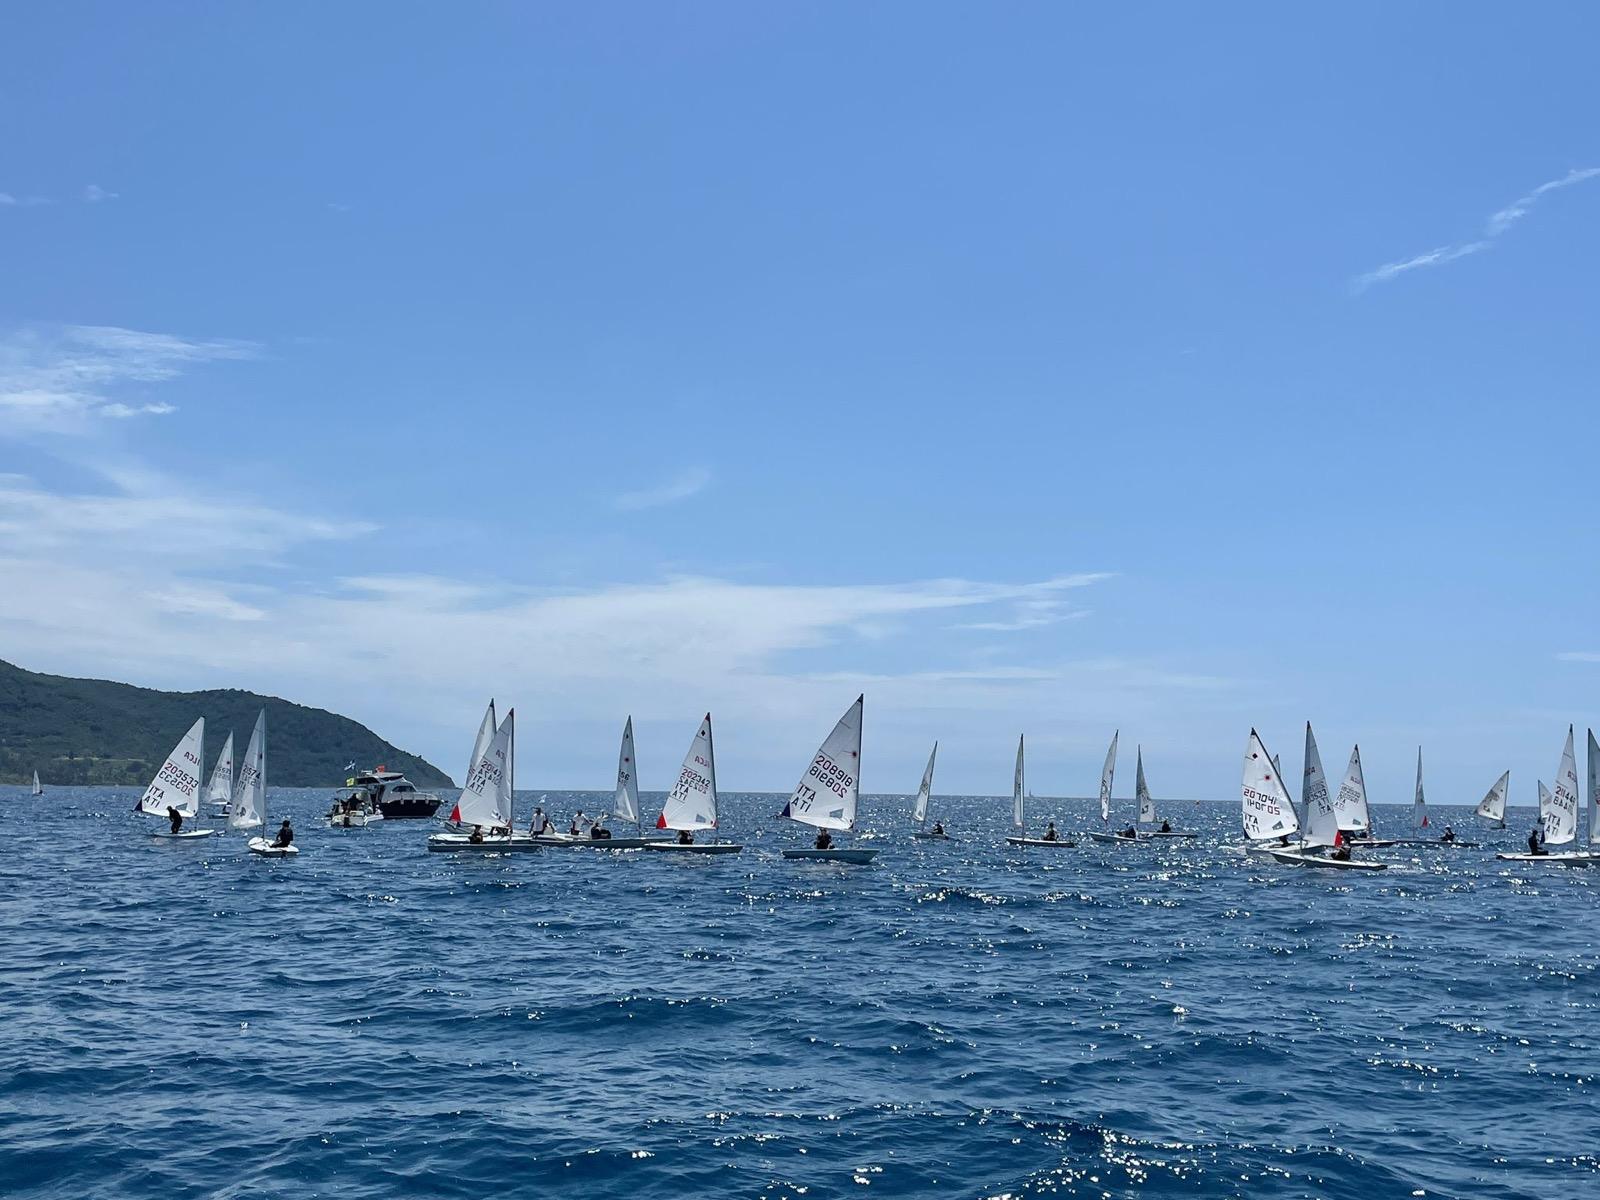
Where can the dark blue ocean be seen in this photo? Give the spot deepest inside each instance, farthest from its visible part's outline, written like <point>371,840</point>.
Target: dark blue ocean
<point>958,1019</point>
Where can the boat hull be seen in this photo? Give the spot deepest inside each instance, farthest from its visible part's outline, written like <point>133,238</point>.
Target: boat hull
<point>589,843</point>
<point>1057,844</point>
<point>1563,858</point>
<point>266,849</point>
<point>184,835</point>
<point>461,843</point>
<point>931,837</point>
<point>1111,839</point>
<point>1294,859</point>
<point>857,855</point>
<point>695,847</point>
<point>1173,835</point>
<point>411,808</point>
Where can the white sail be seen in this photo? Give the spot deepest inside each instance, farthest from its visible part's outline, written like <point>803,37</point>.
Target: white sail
<point>220,789</point>
<point>177,784</point>
<point>1544,801</point>
<point>485,801</point>
<point>487,728</point>
<point>1016,788</point>
<point>1594,790</point>
<point>692,802</point>
<point>1322,819</point>
<point>625,805</point>
<point>38,788</point>
<point>1147,806</point>
<point>1493,805</point>
<point>919,813</point>
<point>827,793</point>
<point>1106,773</point>
<point>1419,806</point>
<point>1561,814</point>
<point>1350,805</point>
<point>1267,811</point>
<point>247,807</point>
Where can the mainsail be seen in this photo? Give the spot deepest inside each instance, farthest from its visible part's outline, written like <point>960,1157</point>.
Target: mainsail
<point>1016,788</point>
<point>1419,806</point>
<point>247,807</point>
<point>177,784</point>
<point>1493,805</point>
<point>1594,790</point>
<point>1350,805</point>
<point>1561,814</point>
<point>38,788</point>
<point>1141,791</point>
<point>919,812</point>
<point>625,805</point>
<point>826,795</point>
<point>486,799</point>
<point>692,802</point>
<point>220,789</point>
<point>1322,820</point>
<point>1267,811</point>
<point>1106,773</point>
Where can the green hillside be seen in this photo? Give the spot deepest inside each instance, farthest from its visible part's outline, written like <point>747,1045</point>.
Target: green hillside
<point>91,731</point>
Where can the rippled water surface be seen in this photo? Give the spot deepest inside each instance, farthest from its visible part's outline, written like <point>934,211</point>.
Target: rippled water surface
<point>959,1019</point>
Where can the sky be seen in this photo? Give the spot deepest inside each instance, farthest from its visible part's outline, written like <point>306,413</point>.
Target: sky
<point>1037,368</point>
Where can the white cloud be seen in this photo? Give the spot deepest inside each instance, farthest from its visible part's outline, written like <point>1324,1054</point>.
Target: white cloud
<point>60,380</point>
<point>688,483</point>
<point>1497,224</point>
<point>94,194</point>
<point>1581,656</point>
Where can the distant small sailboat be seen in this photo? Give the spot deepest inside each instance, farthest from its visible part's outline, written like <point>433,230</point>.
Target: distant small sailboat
<point>1419,806</point>
<point>220,790</point>
<point>1106,774</point>
<point>1493,805</point>
<point>691,805</point>
<point>484,805</point>
<point>1558,812</point>
<point>38,788</point>
<point>248,807</point>
<point>1021,838</point>
<point>919,810</point>
<point>827,794</point>
<point>1147,806</point>
<point>624,805</point>
<point>176,786</point>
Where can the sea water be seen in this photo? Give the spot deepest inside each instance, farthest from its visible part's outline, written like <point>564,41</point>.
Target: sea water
<point>960,1018</point>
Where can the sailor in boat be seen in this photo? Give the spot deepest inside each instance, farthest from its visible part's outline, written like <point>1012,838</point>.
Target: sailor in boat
<point>1283,839</point>
<point>824,840</point>
<point>685,837</point>
<point>597,828</point>
<point>938,829</point>
<point>1536,841</point>
<point>1166,827</point>
<point>1449,835</point>
<point>476,836</point>
<point>1130,833</point>
<point>578,822</point>
<point>1341,852</point>
<point>285,835</point>
<point>175,817</point>
<point>540,825</point>
<point>1050,834</point>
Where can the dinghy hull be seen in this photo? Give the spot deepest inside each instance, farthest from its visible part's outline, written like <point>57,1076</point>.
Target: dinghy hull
<point>185,835</point>
<point>1174,836</point>
<point>266,849</point>
<point>461,843</point>
<point>1294,859</point>
<point>1058,844</point>
<point>858,856</point>
<point>1564,858</point>
<point>931,837</point>
<point>696,847</point>
<point>1111,839</point>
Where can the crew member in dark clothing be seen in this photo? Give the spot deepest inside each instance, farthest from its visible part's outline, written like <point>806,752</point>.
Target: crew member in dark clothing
<point>476,836</point>
<point>1166,827</point>
<point>1449,835</point>
<point>175,817</point>
<point>685,838</point>
<point>1536,841</point>
<point>1341,852</point>
<point>824,840</point>
<point>938,829</point>
<point>285,835</point>
<point>1050,833</point>
<point>1130,833</point>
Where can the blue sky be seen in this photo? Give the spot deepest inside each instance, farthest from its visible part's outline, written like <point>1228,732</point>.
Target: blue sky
<point>1047,368</point>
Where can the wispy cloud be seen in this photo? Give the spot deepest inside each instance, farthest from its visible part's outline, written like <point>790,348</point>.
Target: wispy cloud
<point>688,483</point>
<point>92,194</point>
<point>95,194</point>
<point>7,200</point>
<point>60,380</point>
<point>1582,656</point>
<point>1497,224</point>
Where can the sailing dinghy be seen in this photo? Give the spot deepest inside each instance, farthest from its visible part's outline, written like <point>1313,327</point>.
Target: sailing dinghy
<point>919,810</point>
<point>485,802</point>
<point>1321,831</point>
<point>177,785</point>
<point>38,789</point>
<point>219,791</point>
<point>1493,805</point>
<point>1021,838</point>
<point>624,806</point>
<point>1558,812</point>
<point>826,796</point>
<point>248,807</point>
<point>691,805</point>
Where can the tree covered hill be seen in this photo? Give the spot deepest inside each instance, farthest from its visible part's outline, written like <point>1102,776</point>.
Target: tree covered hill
<point>93,731</point>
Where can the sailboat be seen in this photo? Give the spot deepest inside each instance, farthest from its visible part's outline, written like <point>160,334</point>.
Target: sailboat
<point>1558,812</point>
<point>38,788</point>
<point>624,805</point>
<point>248,807</point>
<point>1493,805</point>
<point>484,805</point>
<point>1321,831</point>
<point>1106,773</point>
<point>1021,838</point>
<point>177,785</point>
<point>1147,806</point>
<point>919,810</point>
<point>827,794</point>
<point>691,805</point>
<point>219,791</point>
<point>1266,810</point>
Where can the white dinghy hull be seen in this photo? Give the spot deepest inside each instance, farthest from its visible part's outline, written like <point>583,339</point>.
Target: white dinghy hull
<point>462,843</point>
<point>1295,859</point>
<point>696,847</point>
<point>263,847</point>
<point>1563,858</point>
<point>1111,839</point>
<point>924,836</point>
<point>1058,844</point>
<point>184,835</point>
<point>847,854</point>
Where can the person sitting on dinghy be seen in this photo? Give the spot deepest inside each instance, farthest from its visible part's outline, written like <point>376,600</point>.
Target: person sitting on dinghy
<point>685,838</point>
<point>175,817</point>
<point>1130,833</point>
<point>1535,841</point>
<point>824,840</point>
<point>1449,835</point>
<point>1050,834</point>
<point>476,836</point>
<point>597,828</point>
<point>938,829</point>
<point>1341,852</point>
<point>285,835</point>
<point>540,826</point>
<point>1166,827</point>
